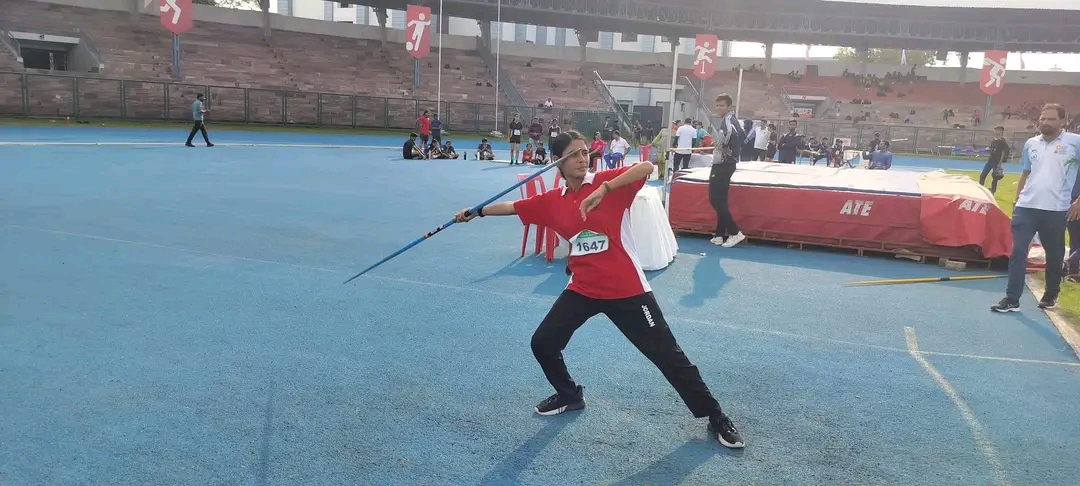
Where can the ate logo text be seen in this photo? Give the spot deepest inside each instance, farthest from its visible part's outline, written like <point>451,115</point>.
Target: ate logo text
<point>974,206</point>
<point>856,207</point>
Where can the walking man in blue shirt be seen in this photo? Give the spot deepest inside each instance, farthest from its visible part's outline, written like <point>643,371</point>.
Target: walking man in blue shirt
<point>1043,205</point>
<point>198,109</point>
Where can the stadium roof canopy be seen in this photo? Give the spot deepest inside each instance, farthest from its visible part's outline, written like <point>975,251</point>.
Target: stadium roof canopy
<point>885,23</point>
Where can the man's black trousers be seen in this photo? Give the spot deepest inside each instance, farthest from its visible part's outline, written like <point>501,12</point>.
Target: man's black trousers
<point>640,320</point>
<point>719,187</point>
<point>196,129</point>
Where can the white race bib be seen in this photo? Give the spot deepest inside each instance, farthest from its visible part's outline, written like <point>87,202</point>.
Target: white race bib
<point>588,243</point>
<point>554,134</point>
<point>517,133</point>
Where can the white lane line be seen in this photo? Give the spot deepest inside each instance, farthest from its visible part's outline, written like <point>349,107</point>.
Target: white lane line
<point>545,299</point>
<point>982,441</point>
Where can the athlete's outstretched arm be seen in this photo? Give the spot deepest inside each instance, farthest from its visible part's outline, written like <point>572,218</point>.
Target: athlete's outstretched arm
<point>504,208</point>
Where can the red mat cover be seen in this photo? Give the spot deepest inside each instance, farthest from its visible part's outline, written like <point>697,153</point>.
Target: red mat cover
<point>931,213</point>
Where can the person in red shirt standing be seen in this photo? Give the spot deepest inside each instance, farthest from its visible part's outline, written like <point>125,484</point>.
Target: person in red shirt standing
<point>425,127</point>
<point>592,212</point>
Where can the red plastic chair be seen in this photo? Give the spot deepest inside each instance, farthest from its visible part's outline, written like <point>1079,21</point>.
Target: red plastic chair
<point>527,190</point>
<point>552,239</point>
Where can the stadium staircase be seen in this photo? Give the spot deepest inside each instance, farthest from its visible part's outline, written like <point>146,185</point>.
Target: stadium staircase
<point>10,59</point>
<point>821,108</point>
<point>505,82</point>
<point>625,120</point>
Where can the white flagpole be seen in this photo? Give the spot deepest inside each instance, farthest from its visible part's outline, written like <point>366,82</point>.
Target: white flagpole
<point>738,94</point>
<point>438,96</point>
<point>498,47</point>
<point>667,140</point>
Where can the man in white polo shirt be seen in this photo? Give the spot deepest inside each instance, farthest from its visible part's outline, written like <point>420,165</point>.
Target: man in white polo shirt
<point>685,135</point>
<point>1043,205</point>
<point>618,150</point>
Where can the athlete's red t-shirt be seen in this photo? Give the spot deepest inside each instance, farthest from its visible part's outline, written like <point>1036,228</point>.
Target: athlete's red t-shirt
<point>603,257</point>
<point>425,125</point>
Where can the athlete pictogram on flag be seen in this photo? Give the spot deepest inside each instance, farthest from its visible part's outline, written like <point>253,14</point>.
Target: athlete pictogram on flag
<point>177,15</point>
<point>993,73</point>
<point>418,31</point>
<point>705,47</point>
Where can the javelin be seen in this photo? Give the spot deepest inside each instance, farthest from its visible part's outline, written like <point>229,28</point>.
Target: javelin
<point>927,280</point>
<point>451,222</point>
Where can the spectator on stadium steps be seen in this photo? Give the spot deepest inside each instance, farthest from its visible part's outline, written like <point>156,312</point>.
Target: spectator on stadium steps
<point>1044,205</point>
<point>409,150</point>
<point>436,128</point>
<point>425,127</point>
<point>618,150</point>
<point>999,154</point>
<point>548,103</point>
<point>881,159</point>
<point>483,151</point>
<point>790,144</point>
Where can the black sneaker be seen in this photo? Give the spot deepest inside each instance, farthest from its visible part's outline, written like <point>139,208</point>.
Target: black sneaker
<point>1048,301</point>
<point>1006,305</point>
<point>557,403</point>
<point>726,432</point>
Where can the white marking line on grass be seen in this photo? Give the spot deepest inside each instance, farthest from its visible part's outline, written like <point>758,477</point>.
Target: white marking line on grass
<point>537,298</point>
<point>180,144</point>
<point>982,441</point>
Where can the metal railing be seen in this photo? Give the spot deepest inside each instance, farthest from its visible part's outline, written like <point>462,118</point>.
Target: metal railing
<point>908,139</point>
<point>60,96</point>
<point>624,118</point>
<point>55,95</point>
<point>11,43</point>
<point>702,107</point>
<point>506,84</point>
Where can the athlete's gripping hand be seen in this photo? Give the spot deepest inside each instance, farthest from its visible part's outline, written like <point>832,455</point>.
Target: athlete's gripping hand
<point>464,216</point>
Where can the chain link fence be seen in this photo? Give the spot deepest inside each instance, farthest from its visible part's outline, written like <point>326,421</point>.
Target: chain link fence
<point>61,96</point>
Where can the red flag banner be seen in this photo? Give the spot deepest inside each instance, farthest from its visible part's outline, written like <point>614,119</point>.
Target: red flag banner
<point>705,48</point>
<point>177,15</point>
<point>993,73</point>
<point>418,31</point>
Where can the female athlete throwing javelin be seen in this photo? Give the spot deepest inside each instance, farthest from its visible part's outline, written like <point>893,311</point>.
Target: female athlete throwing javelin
<point>593,213</point>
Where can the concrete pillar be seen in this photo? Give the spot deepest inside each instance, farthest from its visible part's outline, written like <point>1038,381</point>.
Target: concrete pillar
<point>585,37</point>
<point>133,9</point>
<point>485,32</point>
<point>864,59</point>
<point>963,67</point>
<point>381,15</point>
<point>768,60</point>
<point>264,5</point>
